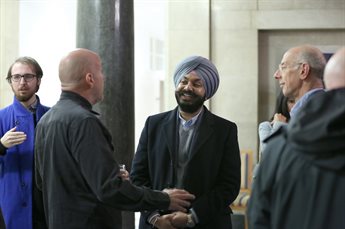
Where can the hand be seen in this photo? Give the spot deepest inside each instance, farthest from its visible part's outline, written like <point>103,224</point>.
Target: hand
<point>179,219</point>
<point>279,117</point>
<point>123,173</point>
<point>164,222</point>
<point>12,138</point>
<point>179,199</point>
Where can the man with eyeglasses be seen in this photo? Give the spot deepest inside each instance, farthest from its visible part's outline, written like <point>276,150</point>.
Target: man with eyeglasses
<point>300,77</point>
<point>17,131</point>
<point>300,74</point>
<point>302,182</point>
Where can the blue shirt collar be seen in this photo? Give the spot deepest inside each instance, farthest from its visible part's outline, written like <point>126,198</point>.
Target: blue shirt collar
<point>303,100</point>
<point>188,124</point>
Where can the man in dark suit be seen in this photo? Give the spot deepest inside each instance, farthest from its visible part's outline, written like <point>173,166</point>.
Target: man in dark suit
<point>192,149</point>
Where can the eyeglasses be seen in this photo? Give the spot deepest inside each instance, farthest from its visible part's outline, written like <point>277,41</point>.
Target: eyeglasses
<point>27,77</point>
<point>282,67</point>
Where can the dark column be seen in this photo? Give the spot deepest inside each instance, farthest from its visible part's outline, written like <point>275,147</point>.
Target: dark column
<point>107,27</point>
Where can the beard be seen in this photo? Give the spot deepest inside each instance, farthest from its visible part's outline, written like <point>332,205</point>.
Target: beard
<point>24,97</point>
<point>192,105</point>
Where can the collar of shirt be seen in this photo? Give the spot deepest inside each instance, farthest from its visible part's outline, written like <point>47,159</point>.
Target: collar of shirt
<point>295,109</point>
<point>188,124</point>
<point>78,99</point>
<point>32,107</point>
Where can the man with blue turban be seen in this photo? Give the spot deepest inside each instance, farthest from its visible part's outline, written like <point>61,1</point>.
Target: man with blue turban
<point>192,149</point>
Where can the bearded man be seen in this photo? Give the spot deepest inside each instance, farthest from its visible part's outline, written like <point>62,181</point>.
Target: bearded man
<point>17,132</point>
<point>192,149</point>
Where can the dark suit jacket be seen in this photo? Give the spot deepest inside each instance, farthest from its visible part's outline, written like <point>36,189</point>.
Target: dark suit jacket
<point>212,173</point>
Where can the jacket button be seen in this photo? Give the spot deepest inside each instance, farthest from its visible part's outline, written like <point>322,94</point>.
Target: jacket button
<point>24,204</point>
<point>17,123</point>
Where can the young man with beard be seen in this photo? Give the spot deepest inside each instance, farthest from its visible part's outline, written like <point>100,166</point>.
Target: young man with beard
<point>17,131</point>
<point>190,148</point>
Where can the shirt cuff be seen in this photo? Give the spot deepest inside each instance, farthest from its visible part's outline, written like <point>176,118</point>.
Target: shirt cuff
<point>152,216</point>
<point>2,149</point>
<point>194,216</point>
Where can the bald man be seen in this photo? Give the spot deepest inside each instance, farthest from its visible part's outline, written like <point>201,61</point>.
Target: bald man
<point>190,148</point>
<point>300,75</point>
<point>301,181</point>
<point>76,169</point>
<point>335,71</point>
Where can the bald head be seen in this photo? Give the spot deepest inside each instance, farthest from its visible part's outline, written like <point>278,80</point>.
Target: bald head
<point>335,71</point>
<point>75,66</point>
<point>81,72</point>
<point>312,56</point>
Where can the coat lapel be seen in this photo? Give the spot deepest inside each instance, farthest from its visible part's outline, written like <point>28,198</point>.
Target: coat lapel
<point>204,132</point>
<point>169,133</point>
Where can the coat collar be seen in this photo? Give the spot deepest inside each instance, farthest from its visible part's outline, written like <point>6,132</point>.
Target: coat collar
<point>170,132</point>
<point>204,132</point>
<point>20,110</point>
<point>80,100</point>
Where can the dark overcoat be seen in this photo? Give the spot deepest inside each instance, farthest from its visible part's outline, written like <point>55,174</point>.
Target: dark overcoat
<point>212,173</point>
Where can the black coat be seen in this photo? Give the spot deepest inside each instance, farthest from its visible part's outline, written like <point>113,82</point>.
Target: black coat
<point>212,173</point>
<point>77,172</point>
<point>301,180</point>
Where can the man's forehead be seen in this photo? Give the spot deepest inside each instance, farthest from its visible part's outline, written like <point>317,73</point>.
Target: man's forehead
<point>21,66</point>
<point>192,75</point>
<point>288,56</point>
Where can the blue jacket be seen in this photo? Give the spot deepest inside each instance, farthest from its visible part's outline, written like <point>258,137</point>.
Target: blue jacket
<point>16,166</point>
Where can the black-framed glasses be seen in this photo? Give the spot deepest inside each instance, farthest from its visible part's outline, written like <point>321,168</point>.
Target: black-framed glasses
<point>18,77</point>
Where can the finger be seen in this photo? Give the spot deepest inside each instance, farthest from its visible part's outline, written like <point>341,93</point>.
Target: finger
<point>178,208</point>
<point>18,133</point>
<point>17,143</point>
<point>17,139</point>
<point>184,203</point>
<point>186,196</point>
<point>13,129</point>
<point>175,191</point>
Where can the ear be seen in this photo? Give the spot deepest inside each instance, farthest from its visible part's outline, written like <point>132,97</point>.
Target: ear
<point>38,81</point>
<point>89,79</point>
<point>304,71</point>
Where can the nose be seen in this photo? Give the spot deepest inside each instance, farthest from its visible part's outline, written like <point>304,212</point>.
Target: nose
<point>189,86</point>
<point>277,74</point>
<point>22,80</point>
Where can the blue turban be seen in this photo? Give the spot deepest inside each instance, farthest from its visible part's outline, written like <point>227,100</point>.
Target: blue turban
<point>203,68</point>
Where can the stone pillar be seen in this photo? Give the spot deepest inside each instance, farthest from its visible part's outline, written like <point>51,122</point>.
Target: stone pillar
<point>107,27</point>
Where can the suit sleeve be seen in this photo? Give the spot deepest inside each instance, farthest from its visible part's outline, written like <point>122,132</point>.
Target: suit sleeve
<point>140,169</point>
<point>100,170</point>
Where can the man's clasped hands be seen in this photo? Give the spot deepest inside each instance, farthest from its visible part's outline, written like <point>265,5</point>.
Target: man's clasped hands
<point>179,204</point>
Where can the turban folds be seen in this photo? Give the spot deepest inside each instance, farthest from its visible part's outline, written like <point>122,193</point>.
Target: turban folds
<point>203,68</point>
